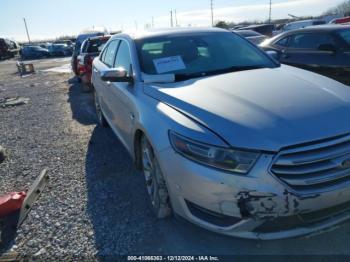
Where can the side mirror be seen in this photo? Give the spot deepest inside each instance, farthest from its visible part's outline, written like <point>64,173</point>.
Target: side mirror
<point>116,75</point>
<point>327,47</point>
<point>273,54</point>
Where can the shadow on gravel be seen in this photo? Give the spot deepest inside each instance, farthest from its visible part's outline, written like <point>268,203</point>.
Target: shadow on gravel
<point>117,200</point>
<point>82,104</point>
<point>121,215</point>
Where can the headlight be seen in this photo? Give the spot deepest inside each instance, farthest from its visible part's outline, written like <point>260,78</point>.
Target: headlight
<point>222,158</point>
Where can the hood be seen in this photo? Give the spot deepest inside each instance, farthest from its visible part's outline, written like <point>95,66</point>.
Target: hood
<point>262,109</point>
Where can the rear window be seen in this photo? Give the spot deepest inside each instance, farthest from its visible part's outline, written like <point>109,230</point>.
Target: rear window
<point>96,46</point>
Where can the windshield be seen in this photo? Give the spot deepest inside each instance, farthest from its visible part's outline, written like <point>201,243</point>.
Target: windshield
<point>199,54</point>
<point>345,34</point>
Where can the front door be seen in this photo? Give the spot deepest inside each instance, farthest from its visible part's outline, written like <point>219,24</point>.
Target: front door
<point>121,97</point>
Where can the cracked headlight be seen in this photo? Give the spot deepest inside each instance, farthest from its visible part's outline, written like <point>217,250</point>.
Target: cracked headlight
<point>227,159</point>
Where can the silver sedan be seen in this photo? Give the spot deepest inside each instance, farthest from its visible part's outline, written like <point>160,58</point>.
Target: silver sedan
<point>227,137</point>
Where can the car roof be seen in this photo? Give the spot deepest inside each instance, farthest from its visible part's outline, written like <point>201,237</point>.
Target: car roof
<point>314,29</point>
<point>246,31</point>
<point>168,31</point>
<point>87,35</point>
<point>304,21</point>
<point>320,28</point>
<point>102,37</point>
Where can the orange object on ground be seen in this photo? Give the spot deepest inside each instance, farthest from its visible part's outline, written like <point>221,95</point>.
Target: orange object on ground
<point>11,202</point>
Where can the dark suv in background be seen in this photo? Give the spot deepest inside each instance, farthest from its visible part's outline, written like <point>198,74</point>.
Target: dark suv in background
<point>59,50</point>
<point>8,48</point>
<point>323,49</point>
<point>90,48</point>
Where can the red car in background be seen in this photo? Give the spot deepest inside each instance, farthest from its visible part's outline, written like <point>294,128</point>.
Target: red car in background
<point>78,43</point>
<point>342,20</point>
<point>91,48</point>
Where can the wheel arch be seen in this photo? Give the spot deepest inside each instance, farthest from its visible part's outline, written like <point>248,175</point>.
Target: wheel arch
<point>137,148</point>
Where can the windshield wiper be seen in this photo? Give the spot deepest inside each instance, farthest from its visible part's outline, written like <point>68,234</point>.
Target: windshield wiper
<point>182,77</point>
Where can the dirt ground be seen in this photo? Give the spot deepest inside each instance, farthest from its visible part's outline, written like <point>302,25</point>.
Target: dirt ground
<point>95,205</point>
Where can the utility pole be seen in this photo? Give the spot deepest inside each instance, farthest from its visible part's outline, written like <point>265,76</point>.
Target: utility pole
<point>270,11</point>
<point>25,24</point>
<point>212,13</point>
<point>171,19</point>
<point>175,18</point>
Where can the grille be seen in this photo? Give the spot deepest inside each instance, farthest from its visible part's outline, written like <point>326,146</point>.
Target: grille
<point>315,166</point>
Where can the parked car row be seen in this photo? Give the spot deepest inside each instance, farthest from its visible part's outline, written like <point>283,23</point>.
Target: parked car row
<point>226,136</point>
<point>44,50</point>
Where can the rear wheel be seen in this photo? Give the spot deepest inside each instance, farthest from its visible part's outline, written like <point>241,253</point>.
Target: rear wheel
<point>100,117</point>
<point>155,183</point>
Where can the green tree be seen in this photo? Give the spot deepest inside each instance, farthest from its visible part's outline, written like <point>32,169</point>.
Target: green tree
<point>221,24</point>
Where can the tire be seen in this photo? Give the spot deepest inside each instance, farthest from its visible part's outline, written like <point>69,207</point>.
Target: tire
<point>101,120</point>
<point>87,88</point>
<point>155,183</point>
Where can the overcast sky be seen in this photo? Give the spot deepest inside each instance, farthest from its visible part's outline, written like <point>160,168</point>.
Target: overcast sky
<point>49,19</point>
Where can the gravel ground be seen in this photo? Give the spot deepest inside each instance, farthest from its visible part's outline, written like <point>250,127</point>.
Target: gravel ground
<point>95,206</point>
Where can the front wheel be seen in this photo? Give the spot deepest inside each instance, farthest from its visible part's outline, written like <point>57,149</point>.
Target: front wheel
<point>155,183</point>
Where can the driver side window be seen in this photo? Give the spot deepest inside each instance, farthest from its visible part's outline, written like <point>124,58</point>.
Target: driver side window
<point>108,55</point>
<point>123,57</point>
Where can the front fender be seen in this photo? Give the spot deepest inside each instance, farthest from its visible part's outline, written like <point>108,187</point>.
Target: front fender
<point>155,119</point>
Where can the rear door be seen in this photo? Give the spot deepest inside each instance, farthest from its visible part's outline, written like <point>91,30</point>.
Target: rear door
<point>305,50</point>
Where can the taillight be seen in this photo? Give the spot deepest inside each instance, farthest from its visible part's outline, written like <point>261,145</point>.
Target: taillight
<point>81,67</point>
<point>88,60</point>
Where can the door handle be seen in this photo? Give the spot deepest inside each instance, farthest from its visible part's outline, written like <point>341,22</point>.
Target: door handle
<point>95,70</point>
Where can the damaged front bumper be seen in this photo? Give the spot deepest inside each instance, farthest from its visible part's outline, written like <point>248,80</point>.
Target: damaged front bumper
<point>256,206</point>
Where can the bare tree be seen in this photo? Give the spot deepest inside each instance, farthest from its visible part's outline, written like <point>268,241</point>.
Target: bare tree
<point>343,8</point>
